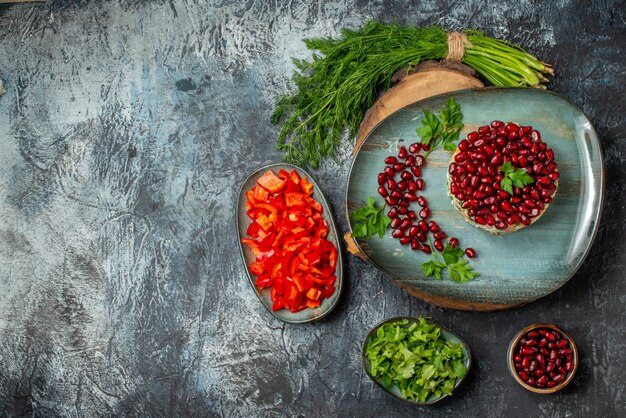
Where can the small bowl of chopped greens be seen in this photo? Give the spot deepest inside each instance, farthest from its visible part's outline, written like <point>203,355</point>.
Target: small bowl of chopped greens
<point>415,360</point>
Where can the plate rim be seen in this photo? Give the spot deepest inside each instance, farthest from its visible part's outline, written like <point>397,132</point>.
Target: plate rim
<point>329,217</point>
<point>497,306</point>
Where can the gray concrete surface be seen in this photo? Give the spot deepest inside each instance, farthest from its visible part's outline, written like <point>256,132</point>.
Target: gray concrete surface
<point>125,130</point>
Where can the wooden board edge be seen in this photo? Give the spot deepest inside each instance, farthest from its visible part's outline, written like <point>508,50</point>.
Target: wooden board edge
<point>422,84</point>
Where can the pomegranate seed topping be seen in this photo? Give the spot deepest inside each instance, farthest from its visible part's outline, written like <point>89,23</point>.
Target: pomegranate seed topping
<point>424,213</point>
<point>426,249</point>
<point>402,153</point>
<point>412,215</point>
<point>390,172</point>
<point>454,242</point>
<point>397,233</point>
<point>415,148</point>
<point>438,245</point>
<point>393,212</point>
<point>391,160</point>
<point>420,184</point>
<point>470,252</point>
<point>419,161</point>
<point>383,192</point>
<point>405,240</point>
<point>422,201</point>
<point>382,179</point>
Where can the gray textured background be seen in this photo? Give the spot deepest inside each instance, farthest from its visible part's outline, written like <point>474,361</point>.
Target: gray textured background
<point>126,128</point>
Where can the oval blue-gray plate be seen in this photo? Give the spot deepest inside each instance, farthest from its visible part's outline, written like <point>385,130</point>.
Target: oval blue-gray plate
<point>243,221</point>
<point>514,268</point>
<point>394,390</point>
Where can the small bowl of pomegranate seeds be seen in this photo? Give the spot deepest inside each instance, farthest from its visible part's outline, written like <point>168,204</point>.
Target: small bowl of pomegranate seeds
<point>543,358</point>
<point>502,177</point>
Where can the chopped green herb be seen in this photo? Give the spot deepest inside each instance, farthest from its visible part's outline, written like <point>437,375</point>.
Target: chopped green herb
<point>514,177</point>
<point>369,220</point>
<point>416,358</point>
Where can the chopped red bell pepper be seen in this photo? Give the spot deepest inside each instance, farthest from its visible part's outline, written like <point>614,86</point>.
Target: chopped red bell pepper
<point>271,182</point>
<point>287,236</point>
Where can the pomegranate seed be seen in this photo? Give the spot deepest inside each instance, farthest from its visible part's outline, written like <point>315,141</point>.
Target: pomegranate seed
<point>391,201</point>
<point>412,215</point>
<point>463,145</point>
<point>421,236</point>
<point>382,179</point>
<point>439,235</point>
<point>426,249</point>
<point>391,160</point>
<point>402,185</point>
<point>423,225</point>
<point>413,231</point>
<point>470,252</point>
<point>396,194</point>
<point>454,242</point>
<point>415,148</point>
<point>402,153</point>
<point>473,136</point>
<point>501,225</point>
<point>424,213</point>
<point>422,201</point>
<point>393,212</point>
<point>406,175</point>
<point>383,192</point>
<point>420,184</point>
<point>419,161</point>
<point>397,233</point>
<point>398,167</point>
<point>403,203</point>
<point>416,171</point>
<point>395,223</point>
<point>405,240</point>
<point>554,175</point>
<point>438,245</point>
<point>390,171</point>
<point>433,226</point>
<point>415,245</point>
<point>410,196</point>
<point>460,157</point>
<point>402,210</point>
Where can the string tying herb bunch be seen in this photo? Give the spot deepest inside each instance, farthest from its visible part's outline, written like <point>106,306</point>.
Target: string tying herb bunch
<point>343,79</point>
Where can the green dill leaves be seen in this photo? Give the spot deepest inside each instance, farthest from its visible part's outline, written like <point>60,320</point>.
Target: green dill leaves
<point>458,267</point>
<point>345,75</point>
<point>442,130</point>
<point>514,177</point>
<point>369,220</point>
<point>415,357</point>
